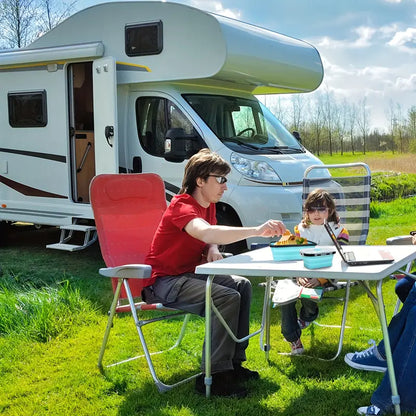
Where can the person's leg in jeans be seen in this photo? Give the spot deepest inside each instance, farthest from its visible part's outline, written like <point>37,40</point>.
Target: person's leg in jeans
<point>290,327</point>
<point>403,287</point>
<point>398,323</point>
<point>309,310</point>
<point>404,358</point>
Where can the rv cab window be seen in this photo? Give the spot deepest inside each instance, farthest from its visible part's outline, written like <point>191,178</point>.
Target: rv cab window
<point>244,125</point>
<point>27,109</point>
<point>144,39</point>
<point>155,117</point>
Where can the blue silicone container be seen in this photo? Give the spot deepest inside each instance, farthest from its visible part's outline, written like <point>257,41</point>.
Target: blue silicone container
<point>315,258</point>
<point>289,252</point>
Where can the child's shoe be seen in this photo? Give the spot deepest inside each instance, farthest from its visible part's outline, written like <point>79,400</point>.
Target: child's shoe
<point>297,347</point>
<point>303,324</point>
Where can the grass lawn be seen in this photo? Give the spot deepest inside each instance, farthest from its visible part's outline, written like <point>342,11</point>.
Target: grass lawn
<point>53,306</point>
<point>60,376</point>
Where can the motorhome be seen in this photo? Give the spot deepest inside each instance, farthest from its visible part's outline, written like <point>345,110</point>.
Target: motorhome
<point>140,87</point>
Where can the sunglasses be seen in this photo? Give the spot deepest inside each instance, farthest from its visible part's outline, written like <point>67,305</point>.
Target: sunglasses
<point>220,179</point>
<point>319,209</point>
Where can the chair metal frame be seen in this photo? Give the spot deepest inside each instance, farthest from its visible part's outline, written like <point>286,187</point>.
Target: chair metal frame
<point>128,279</point>
<point>358,230</point>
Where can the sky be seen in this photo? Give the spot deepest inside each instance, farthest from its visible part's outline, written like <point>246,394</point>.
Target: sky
<point>368,47</point>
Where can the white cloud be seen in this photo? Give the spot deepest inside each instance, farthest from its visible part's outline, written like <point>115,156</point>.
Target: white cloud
<point>406,84</point>
<point>216,7</point>
<point>365,35</point>
<point>405,41</point>
<point>363,38</point>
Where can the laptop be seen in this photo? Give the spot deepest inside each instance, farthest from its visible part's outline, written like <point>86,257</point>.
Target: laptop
<point>352,259</point>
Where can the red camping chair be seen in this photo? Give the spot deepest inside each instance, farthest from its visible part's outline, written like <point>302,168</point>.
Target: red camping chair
<point>127,210</point>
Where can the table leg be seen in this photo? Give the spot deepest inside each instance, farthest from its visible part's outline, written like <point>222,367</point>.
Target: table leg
<point>208,376</point>
<point>395,398</point>
<point>266,316</point>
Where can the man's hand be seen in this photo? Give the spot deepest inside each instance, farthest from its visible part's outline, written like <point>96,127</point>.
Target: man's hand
<point>213,253</point>
<point>272,228</point>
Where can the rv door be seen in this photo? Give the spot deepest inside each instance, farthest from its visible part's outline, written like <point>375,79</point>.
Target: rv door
<point>105,115</point>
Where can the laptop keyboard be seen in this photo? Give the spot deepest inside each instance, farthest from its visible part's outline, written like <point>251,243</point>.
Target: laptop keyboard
<point>349,255</point>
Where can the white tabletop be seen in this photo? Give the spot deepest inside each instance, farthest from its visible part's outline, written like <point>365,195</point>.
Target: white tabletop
<point>260,263</point>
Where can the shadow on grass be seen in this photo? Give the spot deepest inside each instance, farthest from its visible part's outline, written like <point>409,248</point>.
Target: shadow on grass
<point>266,398</point>
<point>184,400</point>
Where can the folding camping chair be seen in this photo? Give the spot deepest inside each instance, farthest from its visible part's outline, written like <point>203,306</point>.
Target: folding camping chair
<point>127,210</point>
<point>349,184</point>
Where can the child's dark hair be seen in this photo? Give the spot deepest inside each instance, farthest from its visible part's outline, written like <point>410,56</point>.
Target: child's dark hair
<point>320,198</point>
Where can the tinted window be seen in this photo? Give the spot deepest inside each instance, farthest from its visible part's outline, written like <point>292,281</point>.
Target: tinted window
<point>244,125</point>
<point>155,117</point>
<point>144,39</point>
<point>27,109</point>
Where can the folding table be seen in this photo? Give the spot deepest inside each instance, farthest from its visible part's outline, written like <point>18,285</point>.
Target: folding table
<point>260,263</point>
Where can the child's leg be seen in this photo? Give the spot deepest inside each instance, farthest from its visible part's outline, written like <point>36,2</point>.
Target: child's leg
<point>309,310</point>
<point>290,328</point>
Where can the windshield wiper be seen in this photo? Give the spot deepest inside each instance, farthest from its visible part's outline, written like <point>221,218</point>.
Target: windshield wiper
<point>239,142</point>
<point>282,149</point>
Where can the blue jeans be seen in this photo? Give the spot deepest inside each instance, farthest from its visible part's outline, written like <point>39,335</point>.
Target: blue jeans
<point>290,328</point>
<point>403,287</point>
<point>402,334</point>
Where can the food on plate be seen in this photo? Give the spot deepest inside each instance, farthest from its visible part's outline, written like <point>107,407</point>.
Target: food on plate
<point>290,239</point>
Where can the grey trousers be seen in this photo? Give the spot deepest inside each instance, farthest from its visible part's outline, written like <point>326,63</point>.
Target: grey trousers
<point>232,297</point>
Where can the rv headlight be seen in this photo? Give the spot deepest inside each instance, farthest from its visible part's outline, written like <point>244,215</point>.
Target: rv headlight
<point>254,169</point>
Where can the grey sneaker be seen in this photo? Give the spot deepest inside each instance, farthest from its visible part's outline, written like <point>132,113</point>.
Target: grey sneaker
<point>297,347</point>
<point>369,410</point>
<point>369,360</point>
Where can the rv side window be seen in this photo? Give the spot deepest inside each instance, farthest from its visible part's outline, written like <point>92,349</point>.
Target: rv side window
<point>144,39</point>
<point>27,109</point>
<point>155,116</point>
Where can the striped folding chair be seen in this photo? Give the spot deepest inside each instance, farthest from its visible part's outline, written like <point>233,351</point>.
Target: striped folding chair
<point>349,184</point>
<point>127,210</point>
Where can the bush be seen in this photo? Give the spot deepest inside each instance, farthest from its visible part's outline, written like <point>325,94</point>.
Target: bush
<point>391,185</point>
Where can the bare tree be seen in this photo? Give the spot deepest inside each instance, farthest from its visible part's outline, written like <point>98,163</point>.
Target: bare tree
<point>317,121</point>
<point>52,13</point>
<point>298,104</point>
<point>412,128</point>
<point>330,111</point>
<point>351,122</point>
<point>17,18</point>
<point>363,121</point>
<point>22,21</point>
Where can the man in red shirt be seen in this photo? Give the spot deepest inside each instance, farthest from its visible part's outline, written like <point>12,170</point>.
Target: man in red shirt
<point>187,236</point>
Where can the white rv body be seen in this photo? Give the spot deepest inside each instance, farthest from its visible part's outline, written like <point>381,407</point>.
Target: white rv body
<point>92,84</point>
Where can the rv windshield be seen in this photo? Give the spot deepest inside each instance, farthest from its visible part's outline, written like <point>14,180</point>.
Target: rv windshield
<point>244,125</point>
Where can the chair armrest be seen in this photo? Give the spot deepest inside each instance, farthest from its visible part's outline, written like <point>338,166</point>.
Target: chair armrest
<point>128,271</point>
<point>399,240</point>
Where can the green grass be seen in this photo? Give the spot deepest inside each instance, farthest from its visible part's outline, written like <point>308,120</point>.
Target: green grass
<point>53,313</point>
<point>56,374</point>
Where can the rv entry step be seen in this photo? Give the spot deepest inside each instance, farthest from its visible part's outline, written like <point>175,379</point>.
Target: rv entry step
<point>67,233</point>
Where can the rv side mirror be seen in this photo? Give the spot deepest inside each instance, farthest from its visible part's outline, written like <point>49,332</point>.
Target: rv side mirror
<point>180,146</point>
<point>296,135</point>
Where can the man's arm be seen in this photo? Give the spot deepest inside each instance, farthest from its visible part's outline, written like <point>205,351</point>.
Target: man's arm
<point>223,234</point>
